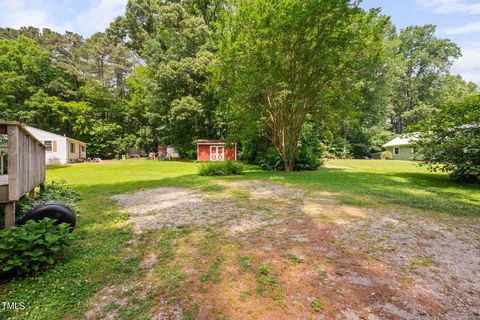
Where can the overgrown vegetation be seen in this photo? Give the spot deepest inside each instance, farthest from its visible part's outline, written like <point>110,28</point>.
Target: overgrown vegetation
<point>54,191</point>
<point>29,247</point>
<point>32,246</point>
<point>453,144</point>
<point>221,168</point>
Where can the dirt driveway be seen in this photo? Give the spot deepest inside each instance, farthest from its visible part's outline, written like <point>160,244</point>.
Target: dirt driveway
<point>259,250</point>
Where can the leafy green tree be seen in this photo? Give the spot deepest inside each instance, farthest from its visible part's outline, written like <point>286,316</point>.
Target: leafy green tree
<point>105,139</point>
<point>448,88</point>
<point>452,144</point>
<point>24,70</point>
<point>171,91</point>
<point>424,60</point>
<point>280,59</point>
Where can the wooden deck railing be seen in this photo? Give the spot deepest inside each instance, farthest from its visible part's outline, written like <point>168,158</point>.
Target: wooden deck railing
<point>26,167</point>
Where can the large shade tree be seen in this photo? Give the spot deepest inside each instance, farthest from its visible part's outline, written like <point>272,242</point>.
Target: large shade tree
<point>424,61</point>
<point>285,59</point>
<point>174,39</point>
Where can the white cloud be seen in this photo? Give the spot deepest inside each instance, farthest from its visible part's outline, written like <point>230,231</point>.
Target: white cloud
<point>468,28</point>
<point>468,66</point>
<point>85,18</point>
<point>451,6</point>
<point>98,17</point>
<point>20,13</point>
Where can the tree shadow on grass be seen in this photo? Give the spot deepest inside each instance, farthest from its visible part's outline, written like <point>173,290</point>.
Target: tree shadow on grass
<point>57,166</point>
<point>414,190</point>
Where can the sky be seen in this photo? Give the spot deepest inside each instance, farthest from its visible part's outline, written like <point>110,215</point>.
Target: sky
<point>458,20</point>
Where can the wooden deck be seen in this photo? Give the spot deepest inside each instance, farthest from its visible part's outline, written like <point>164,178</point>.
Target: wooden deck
<point>25,170</point>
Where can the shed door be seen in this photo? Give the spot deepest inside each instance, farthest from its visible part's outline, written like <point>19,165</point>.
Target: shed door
<point>217,153</point>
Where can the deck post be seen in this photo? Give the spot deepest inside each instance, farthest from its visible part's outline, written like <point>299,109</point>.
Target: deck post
<point>14,156</point>
<point>9,215</point>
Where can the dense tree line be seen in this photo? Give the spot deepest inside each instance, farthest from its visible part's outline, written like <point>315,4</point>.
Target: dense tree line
<point>287,80</point>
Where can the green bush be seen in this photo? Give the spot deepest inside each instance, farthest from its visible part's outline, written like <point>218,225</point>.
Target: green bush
<point>30,247</point>
<point>310,151</point>
<point>221,168</point>
<point>386,155</point>
<point>54,191</point>
<point>270,160</point>
<point>307,160</point>
<point>452,143</point>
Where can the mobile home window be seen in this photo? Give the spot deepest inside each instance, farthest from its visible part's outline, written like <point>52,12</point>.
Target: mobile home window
<point>48,145</point>
<point>414,150</point>
<point>396,151</point>
<point>83,148</point>
<point>72,147</point>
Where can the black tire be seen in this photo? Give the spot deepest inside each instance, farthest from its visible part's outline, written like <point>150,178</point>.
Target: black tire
<point>54,210</point>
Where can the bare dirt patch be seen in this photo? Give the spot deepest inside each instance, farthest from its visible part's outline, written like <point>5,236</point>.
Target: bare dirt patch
<point>106,302</point>
<point>169,208</point>
<point>279,252</point>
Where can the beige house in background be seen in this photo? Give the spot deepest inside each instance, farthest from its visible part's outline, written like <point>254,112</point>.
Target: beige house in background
<point>60,149</point>
<point>402,148</point>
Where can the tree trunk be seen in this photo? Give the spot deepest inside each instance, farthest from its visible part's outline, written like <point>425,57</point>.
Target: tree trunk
<point>290,166</point>
<point>286,130</point>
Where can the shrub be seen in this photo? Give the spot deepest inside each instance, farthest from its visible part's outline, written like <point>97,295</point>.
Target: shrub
<point>310,151</point>
<point>452,143</point>
<point>221,168</point>
<point>376,155</point>
<point>270,160</point>
<point>307,160</point>
<point>29,247</point>
<point>54,191</point>
<point>386,155</point>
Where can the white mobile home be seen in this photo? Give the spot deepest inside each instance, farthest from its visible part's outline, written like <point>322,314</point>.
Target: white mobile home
<point>60,149</point>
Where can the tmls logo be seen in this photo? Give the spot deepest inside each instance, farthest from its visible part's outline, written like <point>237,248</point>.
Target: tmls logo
<point>12,306</point>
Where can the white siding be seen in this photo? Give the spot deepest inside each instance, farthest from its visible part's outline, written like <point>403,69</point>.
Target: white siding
<point>78,153</point>
<point>52,157</point>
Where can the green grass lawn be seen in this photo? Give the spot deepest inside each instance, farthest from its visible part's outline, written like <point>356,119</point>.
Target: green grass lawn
<point>98,257</point>
<point>388,182</point>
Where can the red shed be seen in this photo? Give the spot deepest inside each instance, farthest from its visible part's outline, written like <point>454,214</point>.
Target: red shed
<point>215,150</point>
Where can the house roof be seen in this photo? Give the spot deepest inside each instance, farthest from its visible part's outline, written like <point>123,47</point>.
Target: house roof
<point>203,141</point>
<point>402,141</point>
<point>55,134</point>
<point>75,140</point>
<point>21,127</point>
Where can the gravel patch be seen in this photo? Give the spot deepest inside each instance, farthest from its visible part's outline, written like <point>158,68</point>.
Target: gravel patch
<point>441,257</point>
<point>169,208</point>
<point>435,259</point>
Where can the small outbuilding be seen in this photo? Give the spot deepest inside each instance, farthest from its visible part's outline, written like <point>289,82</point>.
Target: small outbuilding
<point>215,150</point>
<point>403,147</point>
